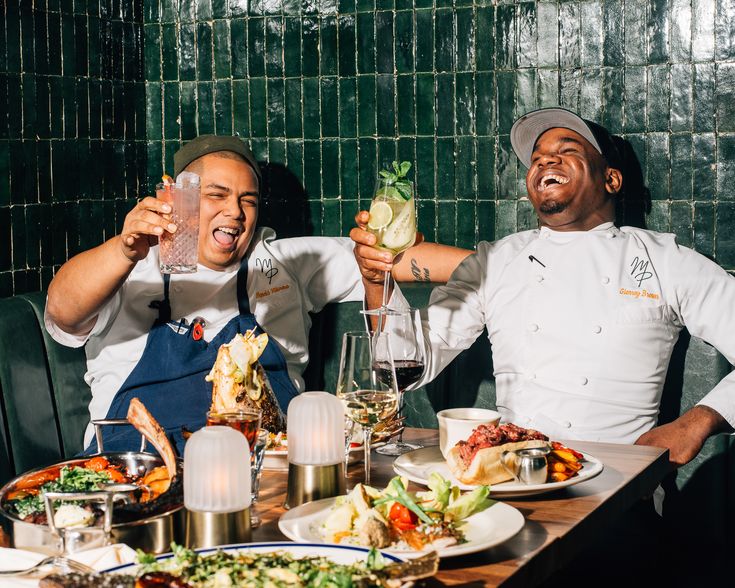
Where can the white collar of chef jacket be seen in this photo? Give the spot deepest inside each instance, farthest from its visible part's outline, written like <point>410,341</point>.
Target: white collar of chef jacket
<point>564,236</point>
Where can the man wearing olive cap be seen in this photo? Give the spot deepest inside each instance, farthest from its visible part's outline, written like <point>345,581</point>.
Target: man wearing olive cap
<point>140,328</point>
<point>582,315</point>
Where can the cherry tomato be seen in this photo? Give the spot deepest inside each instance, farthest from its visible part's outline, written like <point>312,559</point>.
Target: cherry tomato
<point>402,518</point>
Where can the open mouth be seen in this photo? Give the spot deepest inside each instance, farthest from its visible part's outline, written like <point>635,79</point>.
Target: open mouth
<point>226,236</point>
<point>550,180</point>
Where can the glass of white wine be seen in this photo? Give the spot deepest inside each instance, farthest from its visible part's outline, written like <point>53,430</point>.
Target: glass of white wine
<point>368,399</point>
<point>393,214</point>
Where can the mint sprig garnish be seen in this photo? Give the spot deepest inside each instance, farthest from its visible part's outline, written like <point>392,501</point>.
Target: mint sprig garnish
<point>397,178</point>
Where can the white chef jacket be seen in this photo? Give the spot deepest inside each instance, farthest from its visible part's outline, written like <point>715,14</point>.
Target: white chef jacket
<point>582,326</point>
<point>287,279</point>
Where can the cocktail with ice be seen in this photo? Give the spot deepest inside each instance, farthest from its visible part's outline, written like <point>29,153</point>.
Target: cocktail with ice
<point>393,214</point>
<point>178,252</point>
<point>392,211</point>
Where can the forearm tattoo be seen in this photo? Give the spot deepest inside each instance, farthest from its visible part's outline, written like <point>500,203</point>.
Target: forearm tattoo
<point>420,274</point>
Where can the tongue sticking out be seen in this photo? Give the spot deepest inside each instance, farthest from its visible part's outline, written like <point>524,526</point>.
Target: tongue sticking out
<point>224,239</point>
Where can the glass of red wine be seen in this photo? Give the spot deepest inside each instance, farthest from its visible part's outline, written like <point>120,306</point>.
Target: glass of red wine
<point>399,337</point>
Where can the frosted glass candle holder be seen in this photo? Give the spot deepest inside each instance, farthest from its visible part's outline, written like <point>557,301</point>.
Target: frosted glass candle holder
<point>316,444</point>
<point>217,487</point>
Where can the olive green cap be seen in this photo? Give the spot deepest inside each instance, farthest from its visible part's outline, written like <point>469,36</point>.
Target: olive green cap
<point>205,144</point>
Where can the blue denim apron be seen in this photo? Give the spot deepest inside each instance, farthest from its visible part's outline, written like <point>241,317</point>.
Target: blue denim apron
<point>169,378</point>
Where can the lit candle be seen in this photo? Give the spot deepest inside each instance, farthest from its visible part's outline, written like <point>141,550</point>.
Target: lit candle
<point>316,445</point>
<point>217,487</point>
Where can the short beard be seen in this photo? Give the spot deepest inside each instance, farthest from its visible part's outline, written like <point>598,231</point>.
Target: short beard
<point>552,207</point>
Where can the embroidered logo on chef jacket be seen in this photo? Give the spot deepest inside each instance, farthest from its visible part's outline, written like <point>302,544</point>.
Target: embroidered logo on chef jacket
<point>639,269</point>
<point>266,267</point>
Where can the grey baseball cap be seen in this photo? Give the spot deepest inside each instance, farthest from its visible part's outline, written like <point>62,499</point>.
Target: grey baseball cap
<point>205,144</point>
<point>528,128</point>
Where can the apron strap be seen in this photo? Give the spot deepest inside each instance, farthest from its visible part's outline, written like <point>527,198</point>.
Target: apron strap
<point>243,302</point>
<point>163,306</point>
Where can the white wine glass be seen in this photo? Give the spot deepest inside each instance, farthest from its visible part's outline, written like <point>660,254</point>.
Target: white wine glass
<point>399,352</point>
<point>393,214</point>
<point>368,399</point>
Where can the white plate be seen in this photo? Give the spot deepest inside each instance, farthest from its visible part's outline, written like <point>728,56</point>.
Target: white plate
<point>484,529</point>
<point>277,459</point>
<point>341,554</point>
<point>418,465</point>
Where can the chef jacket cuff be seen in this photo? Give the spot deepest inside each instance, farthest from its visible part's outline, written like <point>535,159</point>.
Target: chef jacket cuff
<point>724,407</point>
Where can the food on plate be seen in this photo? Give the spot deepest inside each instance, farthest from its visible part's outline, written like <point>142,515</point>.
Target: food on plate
<point>563,462</point>
<point>76,580</point>
<point>403,520</point>
<point>239,381</point>
<point>477,460</point>
<point>158,480</point>
<point>188,569</point>
<point>24,499</point>
<point>276,442</point>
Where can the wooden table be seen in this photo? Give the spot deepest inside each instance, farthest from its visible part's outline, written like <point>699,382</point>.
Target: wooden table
<point>558,525</point>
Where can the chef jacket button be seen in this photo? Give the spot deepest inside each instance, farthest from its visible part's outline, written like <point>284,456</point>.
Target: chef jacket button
<point>566,425</point>
<point>533,327</point>
<point>610,235</point>
<point>605,280</point>
<point>583,381</point>
<point>531,376</point>
<point>597,329</point>
<point>539,278</point>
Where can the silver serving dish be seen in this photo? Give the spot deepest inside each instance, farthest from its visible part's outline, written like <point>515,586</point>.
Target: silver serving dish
<point>150,526</point>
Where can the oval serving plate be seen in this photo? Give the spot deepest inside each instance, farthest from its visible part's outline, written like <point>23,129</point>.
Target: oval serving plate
<point>483,530</point>
<point>419,464</point>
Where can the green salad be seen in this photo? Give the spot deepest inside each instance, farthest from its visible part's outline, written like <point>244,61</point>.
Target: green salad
<point>223,569</point>
<point>71,479</point>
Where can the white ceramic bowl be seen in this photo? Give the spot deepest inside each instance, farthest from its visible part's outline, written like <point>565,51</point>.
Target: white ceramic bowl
<point>457,424</point>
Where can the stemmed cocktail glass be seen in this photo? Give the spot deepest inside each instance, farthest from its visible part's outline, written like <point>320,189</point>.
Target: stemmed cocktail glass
<point>393,214</point>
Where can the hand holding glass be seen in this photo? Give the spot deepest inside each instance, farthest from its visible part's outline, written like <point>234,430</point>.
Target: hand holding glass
<point>178,252</point>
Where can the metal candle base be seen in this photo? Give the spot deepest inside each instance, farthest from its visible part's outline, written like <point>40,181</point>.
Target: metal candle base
<point>312,482</point>
<point>208,529</point>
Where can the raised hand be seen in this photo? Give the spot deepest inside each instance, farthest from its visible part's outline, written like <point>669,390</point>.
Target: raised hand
<point>373,262</point>
<point>143,225</point>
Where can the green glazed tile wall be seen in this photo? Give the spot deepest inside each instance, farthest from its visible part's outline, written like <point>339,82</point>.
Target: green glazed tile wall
<point>330,91</point>
<point>72,130</point>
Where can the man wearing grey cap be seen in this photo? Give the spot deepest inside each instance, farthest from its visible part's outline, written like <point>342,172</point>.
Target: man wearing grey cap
<point>582,315</point>
<point>156,337</point>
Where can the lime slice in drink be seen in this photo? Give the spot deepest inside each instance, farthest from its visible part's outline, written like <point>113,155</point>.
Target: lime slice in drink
<point>380,215</point>
<point>402,233</point>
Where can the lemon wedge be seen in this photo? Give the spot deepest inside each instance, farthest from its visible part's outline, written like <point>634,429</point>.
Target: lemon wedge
<point>380,215</point>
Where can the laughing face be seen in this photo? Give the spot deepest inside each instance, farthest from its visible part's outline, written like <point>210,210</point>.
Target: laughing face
<point>569,183</point>
<point>228,211</point>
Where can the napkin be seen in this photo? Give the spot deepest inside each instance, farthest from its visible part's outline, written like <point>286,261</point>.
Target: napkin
<point>99,559</point>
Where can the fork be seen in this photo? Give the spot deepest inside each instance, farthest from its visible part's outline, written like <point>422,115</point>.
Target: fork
<point>64,563</point>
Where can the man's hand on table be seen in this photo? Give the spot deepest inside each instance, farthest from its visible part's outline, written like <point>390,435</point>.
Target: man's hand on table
<point>685,436</point>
